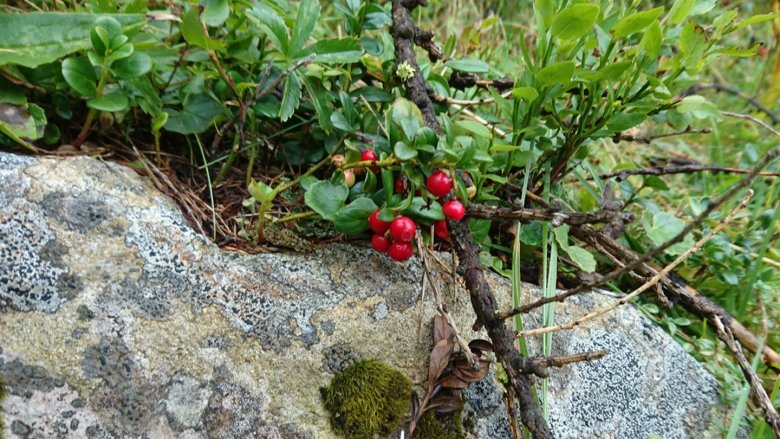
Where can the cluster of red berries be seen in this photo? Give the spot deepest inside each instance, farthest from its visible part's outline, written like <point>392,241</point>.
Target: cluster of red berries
<point>395,237</point>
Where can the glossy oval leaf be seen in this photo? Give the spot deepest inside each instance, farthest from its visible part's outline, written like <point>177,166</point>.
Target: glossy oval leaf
<point>80,75</point>
<point>110,102</point>
<point>137,64</point>
<point>636,22</point>
<point>352,219</point>
<point>326,198</point>
<point>468,65</point>
<point>559,73</point>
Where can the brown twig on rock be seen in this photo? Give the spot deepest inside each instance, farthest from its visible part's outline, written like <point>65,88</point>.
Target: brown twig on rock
<point>555,217</point>
<point>470,267</point>
<point>647,285</point>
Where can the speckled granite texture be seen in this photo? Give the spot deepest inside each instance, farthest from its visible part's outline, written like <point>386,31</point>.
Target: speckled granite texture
<point>118,321</point>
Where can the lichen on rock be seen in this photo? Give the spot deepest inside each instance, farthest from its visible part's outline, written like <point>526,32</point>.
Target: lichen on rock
<point>366,399</point>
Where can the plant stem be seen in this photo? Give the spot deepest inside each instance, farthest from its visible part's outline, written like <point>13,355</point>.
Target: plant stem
<point>92,111</point>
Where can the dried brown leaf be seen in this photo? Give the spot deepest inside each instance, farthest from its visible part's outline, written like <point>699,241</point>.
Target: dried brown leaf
<point>451,381</point>
<point>440,357</point>
<point>445,404</point>
<point>441,329</point>
<point>478,346</point>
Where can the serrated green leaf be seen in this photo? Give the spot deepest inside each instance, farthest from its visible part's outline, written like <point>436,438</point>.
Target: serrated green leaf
<point>308,14</point>
<point>111,102</point>
<point>291,97</point>
<point>273,26</point>
<point>326,198</point>
<point>636,22</point>
<point>575,21</point>
<point>352,219</point>
<point>80,75</point>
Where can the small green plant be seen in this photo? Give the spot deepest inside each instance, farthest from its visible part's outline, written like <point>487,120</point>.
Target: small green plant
<point>368,398</point>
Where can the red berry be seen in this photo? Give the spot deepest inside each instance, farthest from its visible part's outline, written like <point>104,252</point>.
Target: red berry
<point>439,183</point>
<point>454,210</point>
<point>399,185</point>
<point>380,243</point>
<point>440,229</point>
<point>763,51</point>
<point>402,229</point>
<point>400,251</point>
<point>367,155</point>
<point>377,224</point>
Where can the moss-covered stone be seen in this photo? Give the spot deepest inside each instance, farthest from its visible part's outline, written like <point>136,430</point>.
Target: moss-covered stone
<point>366,399</point>
<point>432,426</point>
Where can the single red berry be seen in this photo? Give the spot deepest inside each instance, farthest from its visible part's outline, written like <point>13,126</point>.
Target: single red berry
<point>454,210</point>
<point>440,229</point>
<point>369,154</point>
<point>402,229</point>
<point>399,185</point>
<point>400,251</point>
<point>439,183</point>
<point>377,224</point>
<point>763,51</point>
<point>380,243</point>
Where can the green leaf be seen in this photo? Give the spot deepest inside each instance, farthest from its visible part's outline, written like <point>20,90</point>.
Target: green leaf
<point>474,128</point>
<point>326,198</point>
<point>680,11</point>
<point>407,116</point>
<point>137,64</point>
<point>693,43</point>
<point>581,257</point>
<point>110,102</point>
<point>652,40</point>
<point>636,22</point>
<point>663,226</point>
<point>196,117</point>
<point>575,21</point>
<point>559,73</point>
<point>468,65</point>
<point>80,75</point>
<point>215,12</point>
<point>308,14</point>
<point>699,107</point>
<point>757,19</point>
<point>420,210</point>
<point>610,72</point>
<point>404,151</point>
<point>291,97</point>
<point>261,192</point>
<point>36,38</point>
<point>526,93</point>
<point>335,51</point>
<point>624,121</point>
<point>193,32</point>
<point>104,29</point>
<point>352,219</point>
<point>544,10</point>
<point>273,26</point>
<point>319,98</point>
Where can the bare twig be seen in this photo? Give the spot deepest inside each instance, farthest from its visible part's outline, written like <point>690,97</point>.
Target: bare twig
<point>647,285</point>
<point>752,119</point>
<point>736,92</point>
<point>684,169</point>
<point>756,386</point>
<point>647,139</point>
<point>428,273</point>
<point>555,217</point>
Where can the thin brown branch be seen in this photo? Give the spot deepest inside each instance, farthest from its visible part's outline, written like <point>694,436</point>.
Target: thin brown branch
<point>647,285</point>
<point>554,216</point>
<point>684,169</point>
<point>564,360</point>
<point>736,92</point>
<point>648,139</point>
<point>752,119</point>
<point>756,386</point>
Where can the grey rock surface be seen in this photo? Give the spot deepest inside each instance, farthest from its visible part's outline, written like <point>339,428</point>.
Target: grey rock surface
<point>117,320</point>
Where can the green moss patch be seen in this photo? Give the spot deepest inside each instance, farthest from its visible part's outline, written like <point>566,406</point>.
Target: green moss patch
<point>366,399</point>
